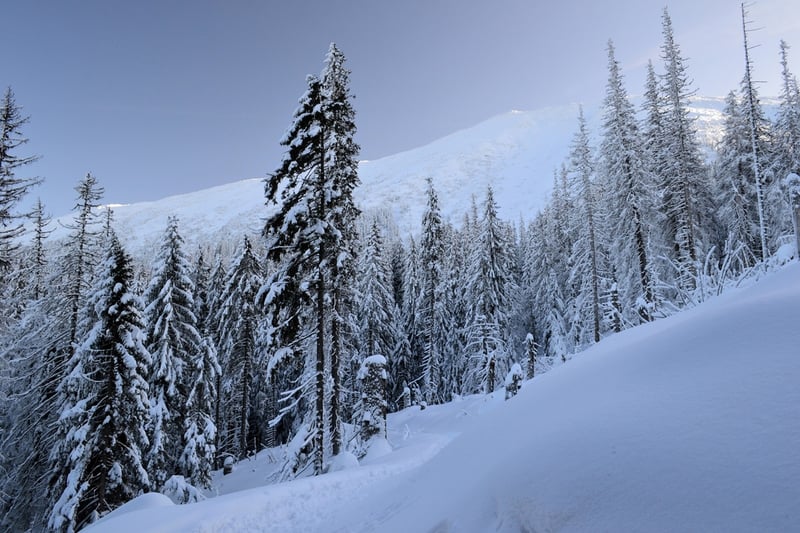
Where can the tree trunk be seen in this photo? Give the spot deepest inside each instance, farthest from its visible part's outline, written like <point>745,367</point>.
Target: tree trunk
<point>336,349</point>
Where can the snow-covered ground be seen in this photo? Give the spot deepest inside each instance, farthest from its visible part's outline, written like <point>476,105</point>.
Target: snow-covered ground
<point>516,152</point>
<point>691,423</point>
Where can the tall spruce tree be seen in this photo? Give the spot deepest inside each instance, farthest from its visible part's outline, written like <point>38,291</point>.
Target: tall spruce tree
<point>81,253</point>
<point>376,306</point>
<point>38,259</point>
<point>682,178</point>
<point>412,320</point>
<point>241,370</point>
<point>310,239</point>
<point>200,430</point>
<point>586,249</point>
<point>174,342</point>
<point>735,193</point>
<point>341,157</point>
<point>455,305</point>
<point>66,324</point>
<point>491,287</point>
<point>431,256</point>
<point>629,196</point>
<point>105,407</point>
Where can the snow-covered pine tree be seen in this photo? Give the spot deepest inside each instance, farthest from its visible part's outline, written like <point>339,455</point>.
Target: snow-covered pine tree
<point>104,406</point>
<point>24,284</point>
<point>652,127</point>
<point>201,278</point>
<point>400,365</point>
<point>654,142</point>
<point>309,238</point>
<point>682,179</point>
<point>81,254</point>
<point>400,359</point>
<point>431,256</point>
<point>553,318</point>
<point>412,301</point>
<point>485,352</point>
<point>454,302</point>
<point>293,293</point>
<point>38,259</point>
<point>242,376</point>
<point>12,187</point>
<point>525,305</point>
<point>49,350</point>
<point>25,437</point>
<point>629,197</point>
<point>490,287</point>
<point>756,122</point>
<point>200,431</point>
<point>210,328</point>
<point>341,158</point>
<point>555,236</point>
<point>735,193</point>
<point>375,306</point>
<point>40,345</point>
<point>397,255</point>
<point>521,315</point>
<point>531,349</point>
<point>543,286</point>
<point>586,273</point>
<point>559,239</point>
<point>174,342</point>
<point>787,123</point>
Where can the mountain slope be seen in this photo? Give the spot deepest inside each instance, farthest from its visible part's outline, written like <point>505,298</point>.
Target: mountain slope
<point>517,153</point>
<point>685,424</point>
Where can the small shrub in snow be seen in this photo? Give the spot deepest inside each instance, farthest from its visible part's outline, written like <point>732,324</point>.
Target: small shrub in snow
<point>513,380</point>
<point>227,465</point>
<point>180,491</point>
<point>406,397</point>
<point>373,376</point>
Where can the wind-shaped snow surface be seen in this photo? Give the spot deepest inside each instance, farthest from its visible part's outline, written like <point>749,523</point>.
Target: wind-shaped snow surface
<point>516,152</point>
<point>690,423</point>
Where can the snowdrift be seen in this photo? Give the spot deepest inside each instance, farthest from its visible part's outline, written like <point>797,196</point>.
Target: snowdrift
<point>691,423</point>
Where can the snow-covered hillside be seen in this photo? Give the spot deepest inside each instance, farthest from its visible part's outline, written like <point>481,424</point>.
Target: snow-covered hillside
<point>516,152</point>
<point>690,423</point>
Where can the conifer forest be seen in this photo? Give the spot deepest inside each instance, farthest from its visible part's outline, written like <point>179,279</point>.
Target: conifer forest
<point>122,375</point>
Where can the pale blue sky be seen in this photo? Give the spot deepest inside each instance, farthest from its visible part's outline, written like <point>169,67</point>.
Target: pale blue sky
<point>163,97</point>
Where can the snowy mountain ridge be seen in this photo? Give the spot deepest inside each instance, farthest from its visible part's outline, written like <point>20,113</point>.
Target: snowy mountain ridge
<point>516,152</point>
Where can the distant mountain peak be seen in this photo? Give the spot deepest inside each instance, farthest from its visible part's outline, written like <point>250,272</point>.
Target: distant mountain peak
<point>516,152</point>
